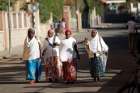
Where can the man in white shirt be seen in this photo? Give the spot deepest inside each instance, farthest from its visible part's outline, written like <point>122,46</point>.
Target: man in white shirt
<point>131,34</point>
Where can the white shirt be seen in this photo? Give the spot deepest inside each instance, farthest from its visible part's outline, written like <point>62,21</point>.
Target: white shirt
<point>49,50</point>
<point>131,26</point>
<point>31,49</point>
<point>67,52</point>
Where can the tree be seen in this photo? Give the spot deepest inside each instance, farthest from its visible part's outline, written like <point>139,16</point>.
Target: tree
<point>4,4</point>
<point>97,5</point>
<point>51,6</point>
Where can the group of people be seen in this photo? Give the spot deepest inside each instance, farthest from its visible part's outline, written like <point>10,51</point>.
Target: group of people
<point>60,56</point>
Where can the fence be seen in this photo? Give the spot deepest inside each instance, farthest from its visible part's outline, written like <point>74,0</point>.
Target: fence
<point>19,23</point>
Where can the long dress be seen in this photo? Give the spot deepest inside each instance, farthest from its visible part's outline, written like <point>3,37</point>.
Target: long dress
<point>97,61</point>
<point>31,55</point>
<point>67,56</point>
<point>53,66</point>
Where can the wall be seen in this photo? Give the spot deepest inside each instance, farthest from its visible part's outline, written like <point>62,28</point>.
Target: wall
<point>19,24</point>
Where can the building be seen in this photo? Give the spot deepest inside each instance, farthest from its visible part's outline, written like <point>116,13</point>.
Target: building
<point>121,10</point>
<point>74,12</point>
<point>13,28</point>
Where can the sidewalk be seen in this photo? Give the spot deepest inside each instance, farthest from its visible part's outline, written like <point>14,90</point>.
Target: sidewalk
<point>113,26</point>
<point>110,26</point>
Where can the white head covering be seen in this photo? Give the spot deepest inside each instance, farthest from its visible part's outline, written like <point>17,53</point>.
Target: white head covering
<point>97,44</point>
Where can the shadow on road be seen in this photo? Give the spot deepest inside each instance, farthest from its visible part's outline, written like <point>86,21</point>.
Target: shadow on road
<point>118,67</point>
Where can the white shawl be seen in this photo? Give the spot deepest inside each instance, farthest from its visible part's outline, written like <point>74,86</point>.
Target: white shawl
<point>97,44</point>
<point>31,49</point>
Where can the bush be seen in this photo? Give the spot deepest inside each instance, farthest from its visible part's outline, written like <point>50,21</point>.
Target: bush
<point>51,6</point>
<point>4,4</point>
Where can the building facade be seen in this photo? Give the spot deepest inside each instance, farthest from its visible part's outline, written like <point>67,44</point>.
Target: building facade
<point>13,28</point>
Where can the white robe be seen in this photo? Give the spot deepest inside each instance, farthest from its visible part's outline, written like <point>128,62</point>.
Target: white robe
<point>67,52</point>
<point>49,50</point>
<point>31,49</point>
<point>97,44</point>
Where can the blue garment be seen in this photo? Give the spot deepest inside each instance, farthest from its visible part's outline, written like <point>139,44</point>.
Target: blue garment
<point>33,68</point>
<point>96,67</point>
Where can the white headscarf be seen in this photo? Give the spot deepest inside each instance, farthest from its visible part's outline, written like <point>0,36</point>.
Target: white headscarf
<point>97,44</point>
<point>47,45</point>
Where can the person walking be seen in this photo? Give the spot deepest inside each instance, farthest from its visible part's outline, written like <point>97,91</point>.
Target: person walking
<point>68,55</point>
<point>132,34</point>
<point>31,55</point>
<point>97,50</point>
<point>62,26</point>
<point>53,66</point>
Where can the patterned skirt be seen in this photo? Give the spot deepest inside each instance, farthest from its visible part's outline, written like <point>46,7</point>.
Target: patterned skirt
<point>53,69</point>
<point>69,71</point>
<point>96,67</point>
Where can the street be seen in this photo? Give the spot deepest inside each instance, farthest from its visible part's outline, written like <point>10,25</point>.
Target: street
<point>119,70</point>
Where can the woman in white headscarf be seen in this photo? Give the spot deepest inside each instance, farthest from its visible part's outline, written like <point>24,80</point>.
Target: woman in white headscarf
<point>31,55</point>
<point>53,66</point>
<point>96,49</point>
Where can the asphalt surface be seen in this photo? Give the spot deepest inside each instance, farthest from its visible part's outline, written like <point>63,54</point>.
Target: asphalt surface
<point>119,70</point>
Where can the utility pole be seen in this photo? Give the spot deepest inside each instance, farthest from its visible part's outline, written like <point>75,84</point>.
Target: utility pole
<point>9,26</point>
<point>76,14</point>
<point>34,8</point>
<point>33,14</point>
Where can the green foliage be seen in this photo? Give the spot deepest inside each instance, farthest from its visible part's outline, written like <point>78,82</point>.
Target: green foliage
<point>97,5</point>
<point>99,8</point>
<point>4,4</point>
<point>90,4</point>
<point>50,6</point>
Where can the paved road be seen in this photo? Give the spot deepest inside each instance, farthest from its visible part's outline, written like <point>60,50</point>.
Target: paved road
<point>120,64</point>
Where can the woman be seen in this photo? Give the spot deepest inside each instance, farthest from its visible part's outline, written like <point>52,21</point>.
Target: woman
<point>51,57</point>
<point>31,55</point>
<point>67,56</point>
<point>97,48</point>
<point>62,26</point>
